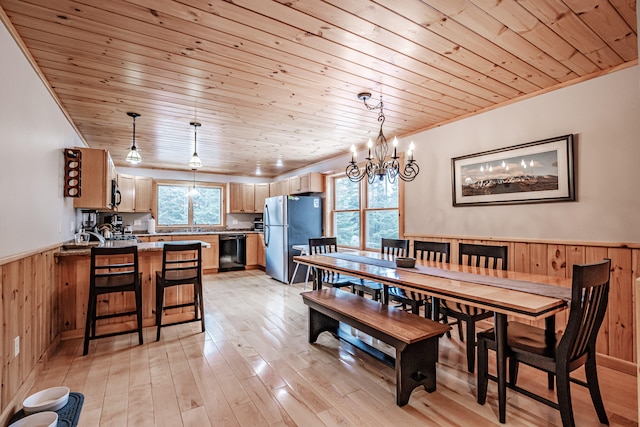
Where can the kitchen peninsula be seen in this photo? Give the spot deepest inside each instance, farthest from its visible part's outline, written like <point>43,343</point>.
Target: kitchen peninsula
<point>73,289</point>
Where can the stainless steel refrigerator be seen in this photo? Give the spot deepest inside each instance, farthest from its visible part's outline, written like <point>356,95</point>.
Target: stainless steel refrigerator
<point>288,221</point>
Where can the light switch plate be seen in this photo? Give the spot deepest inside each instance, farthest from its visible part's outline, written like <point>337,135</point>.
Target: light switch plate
<point>16,346</point>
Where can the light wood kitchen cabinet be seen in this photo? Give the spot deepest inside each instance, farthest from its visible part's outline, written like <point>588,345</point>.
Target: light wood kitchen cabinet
<point>144,194</point>
<point>311,182</point>
<point>210,256</point>
<point>241,197</point>
<point>127,187</point>
<point>261,192</point>
<point>136,193</point>
<point>97,172</point>
<point>279,188</point>
<point>252,250</point>
<point>262,251</point>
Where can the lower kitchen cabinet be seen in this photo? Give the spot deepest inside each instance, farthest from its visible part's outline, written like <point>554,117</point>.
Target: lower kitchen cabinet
<point>262,251</point>
<point>252,250</point>
<point>210,256</point>
<point>210,261</point>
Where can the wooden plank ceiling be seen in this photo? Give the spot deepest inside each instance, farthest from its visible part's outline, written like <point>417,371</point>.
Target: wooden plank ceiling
<point>273,80</point>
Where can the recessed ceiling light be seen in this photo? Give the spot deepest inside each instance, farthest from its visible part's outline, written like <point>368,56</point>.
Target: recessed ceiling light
<point>279,163</point>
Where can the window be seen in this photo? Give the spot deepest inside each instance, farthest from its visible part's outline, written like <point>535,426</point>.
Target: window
<point>178,205</point>
<point>363,221</point>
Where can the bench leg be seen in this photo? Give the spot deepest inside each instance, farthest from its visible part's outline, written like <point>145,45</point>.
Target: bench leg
<point>319,323</point>
<point>415,366</point>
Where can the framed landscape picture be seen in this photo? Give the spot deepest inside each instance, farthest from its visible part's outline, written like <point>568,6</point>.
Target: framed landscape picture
<point>535,172</point>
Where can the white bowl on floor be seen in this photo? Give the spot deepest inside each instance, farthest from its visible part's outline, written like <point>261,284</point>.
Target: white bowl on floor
<point>41,419</point>
<point>50,399</point>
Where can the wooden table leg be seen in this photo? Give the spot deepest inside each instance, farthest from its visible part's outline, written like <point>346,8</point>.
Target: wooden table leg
<point>500,321</point>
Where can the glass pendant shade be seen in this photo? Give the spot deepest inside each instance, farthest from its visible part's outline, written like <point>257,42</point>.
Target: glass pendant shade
<point>195,161</point>
<point>134,155</point>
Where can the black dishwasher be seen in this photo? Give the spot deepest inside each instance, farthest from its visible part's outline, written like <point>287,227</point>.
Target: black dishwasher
<point>232,252</point>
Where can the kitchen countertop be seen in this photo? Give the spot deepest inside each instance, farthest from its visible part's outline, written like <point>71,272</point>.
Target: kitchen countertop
<point>195,233</point>
<point>142,247</point>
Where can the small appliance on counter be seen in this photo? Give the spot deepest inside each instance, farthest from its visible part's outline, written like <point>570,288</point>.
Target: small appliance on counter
<point>89,219</point>
<point>258,224</point>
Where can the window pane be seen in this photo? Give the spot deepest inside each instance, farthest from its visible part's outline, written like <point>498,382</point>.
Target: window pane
<point>347,194</point>
<point>207,206</point>
<point>173,205</point>
<point>382,194</point>
<point>348,228</point>
<point>381,224</point>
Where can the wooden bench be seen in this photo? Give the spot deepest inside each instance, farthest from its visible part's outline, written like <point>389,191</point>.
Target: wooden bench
<point>414,338</point>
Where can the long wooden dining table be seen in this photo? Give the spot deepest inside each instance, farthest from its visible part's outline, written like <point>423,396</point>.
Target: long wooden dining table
<point>506,293</point>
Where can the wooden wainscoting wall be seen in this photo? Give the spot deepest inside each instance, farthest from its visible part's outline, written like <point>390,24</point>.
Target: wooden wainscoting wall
<point>29,310</point>
<point>617,336</point>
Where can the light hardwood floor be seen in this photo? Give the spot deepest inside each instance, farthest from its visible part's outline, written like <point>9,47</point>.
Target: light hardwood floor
<point>254,367</point>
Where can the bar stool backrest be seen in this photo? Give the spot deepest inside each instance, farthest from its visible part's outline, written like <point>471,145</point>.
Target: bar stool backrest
<point>182,263</point>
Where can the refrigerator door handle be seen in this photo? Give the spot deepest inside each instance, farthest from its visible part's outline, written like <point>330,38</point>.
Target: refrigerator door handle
<point>267,234</point>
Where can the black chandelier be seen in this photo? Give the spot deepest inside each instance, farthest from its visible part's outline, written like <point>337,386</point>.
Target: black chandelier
<point>377,165</point>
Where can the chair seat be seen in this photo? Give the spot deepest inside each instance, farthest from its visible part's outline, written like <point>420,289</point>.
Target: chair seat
<point>525,338</point>
<point>361,287</point>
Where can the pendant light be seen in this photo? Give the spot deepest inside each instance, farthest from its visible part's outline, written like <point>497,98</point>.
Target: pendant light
<point>134,156</point>
<point>195,162</point>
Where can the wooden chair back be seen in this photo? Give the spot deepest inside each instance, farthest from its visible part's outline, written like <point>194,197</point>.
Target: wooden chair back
<point>396,247</point>
<point>431,251</point>
<point>486,256</point>
<point>113,269</point>
<point>181,263</point>
<point>323,245</point>
<point>589,299</point>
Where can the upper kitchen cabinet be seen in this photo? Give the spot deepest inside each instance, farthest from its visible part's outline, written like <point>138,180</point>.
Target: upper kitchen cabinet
<point>261,192</point>
<point>144,193</point>
<point>127,187</point>
<point>97,173</point>
<point>311,182</point>
<point>136,193</point>
<point>279,188</point>
<point>241,197</point>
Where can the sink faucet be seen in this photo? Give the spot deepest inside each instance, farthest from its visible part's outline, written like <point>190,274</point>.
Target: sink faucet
<point>100,238</point>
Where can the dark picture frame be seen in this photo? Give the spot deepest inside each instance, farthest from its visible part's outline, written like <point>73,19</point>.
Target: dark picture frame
<point>535,172</point>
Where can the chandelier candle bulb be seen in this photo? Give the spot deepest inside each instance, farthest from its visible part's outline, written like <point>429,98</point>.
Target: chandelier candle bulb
<point>412,148</point>
<point>353,153</point>
<point>395,145</point>
<point>369,144</point>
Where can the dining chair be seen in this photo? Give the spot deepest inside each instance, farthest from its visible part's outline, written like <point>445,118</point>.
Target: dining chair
<point>324,245</point>
<point>391,247</point>
<point>113,270</point>
<point>428,251</point>
<point>181,266</point>
<point>558,354</point>
<point>487,256</point>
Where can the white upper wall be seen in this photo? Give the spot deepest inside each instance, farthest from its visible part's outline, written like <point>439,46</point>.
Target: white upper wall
<point>33,134</point>
<point>604,116</point>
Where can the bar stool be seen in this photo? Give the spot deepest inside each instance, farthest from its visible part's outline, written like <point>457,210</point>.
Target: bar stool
<point>113,270</point>
<point>181,265</point>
